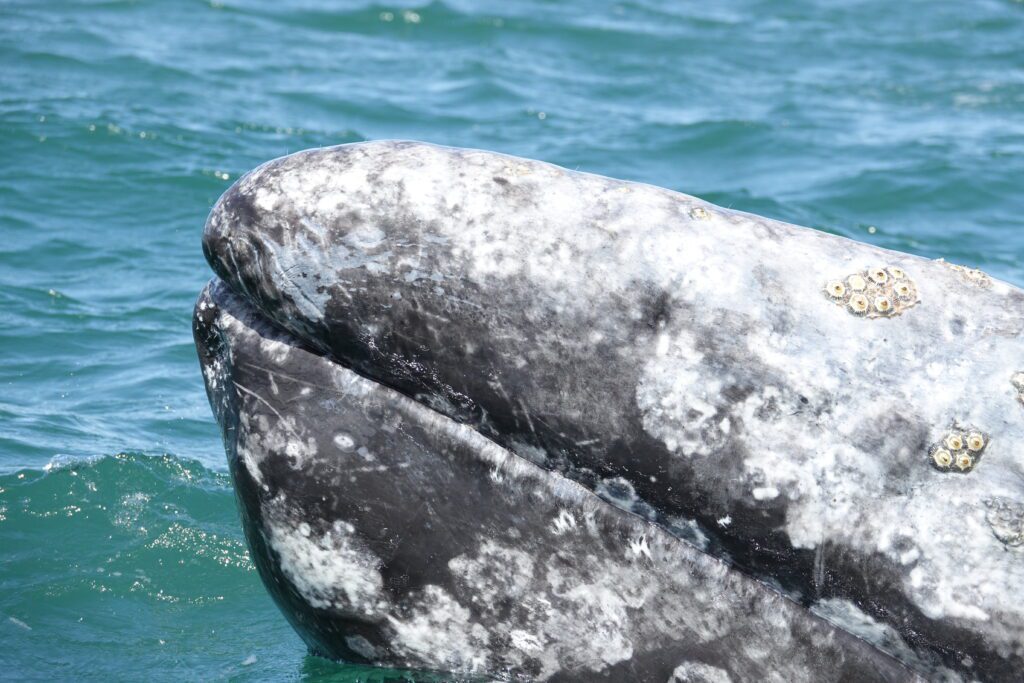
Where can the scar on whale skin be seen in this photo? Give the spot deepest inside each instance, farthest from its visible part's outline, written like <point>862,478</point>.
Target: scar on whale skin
<point>1006,519</point>
<point>874,293</point>
<point>959,450</point>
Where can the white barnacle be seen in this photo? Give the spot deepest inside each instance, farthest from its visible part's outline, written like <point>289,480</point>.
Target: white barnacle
<point>897,272</point>
<point>977,275</point>
<point>883,305</point>
<point>971,275</point>
<point>700,213</point>
<point>964,462</point>
<point>975,441</point>
<point>856,283</point>
<point>954,442</point>
<point>836,289</point>
<point>878,276</point>
<point>344,441</point>
<point>903,290</point>
<point>942,458</point>
<point>858,303</point>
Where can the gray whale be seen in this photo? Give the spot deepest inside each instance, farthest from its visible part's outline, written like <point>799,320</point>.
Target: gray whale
<point>840,422</point>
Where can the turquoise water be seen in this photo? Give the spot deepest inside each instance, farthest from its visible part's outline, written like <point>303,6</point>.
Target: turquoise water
<point>900,124</point>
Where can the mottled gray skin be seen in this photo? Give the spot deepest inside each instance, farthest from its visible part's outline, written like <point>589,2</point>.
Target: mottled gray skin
<point>681,360</point>
<point>390,534</point>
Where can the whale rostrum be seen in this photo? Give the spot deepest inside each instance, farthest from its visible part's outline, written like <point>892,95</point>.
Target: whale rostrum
<point>488,415</point>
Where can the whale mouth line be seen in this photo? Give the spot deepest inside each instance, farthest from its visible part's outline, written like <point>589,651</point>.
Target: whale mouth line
<point>245,311</point>
<point>689,532</point>
<point>241,307</point>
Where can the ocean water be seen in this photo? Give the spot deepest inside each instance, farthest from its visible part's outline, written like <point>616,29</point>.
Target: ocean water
<point>121,122</point>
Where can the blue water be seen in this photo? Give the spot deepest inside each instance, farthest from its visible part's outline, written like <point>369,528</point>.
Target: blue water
<point>900,124</point>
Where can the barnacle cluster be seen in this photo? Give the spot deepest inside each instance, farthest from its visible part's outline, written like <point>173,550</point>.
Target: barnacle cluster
<point>959,450</point>
<point>970,275</point>
<point>1018,383</point>
<point>878,292</point>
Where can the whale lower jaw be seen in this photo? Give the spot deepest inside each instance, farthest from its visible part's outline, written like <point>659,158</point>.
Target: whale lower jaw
<point>390,534</point>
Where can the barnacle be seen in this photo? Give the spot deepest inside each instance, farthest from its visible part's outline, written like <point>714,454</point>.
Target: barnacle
<point>903,290</point>
<point>942,458</point>
<point>700,213</point>
<point>874,293</point>
<point>970,275</point>
<point>960,447</point>
<point>836,289</point>
<point>858,303</point>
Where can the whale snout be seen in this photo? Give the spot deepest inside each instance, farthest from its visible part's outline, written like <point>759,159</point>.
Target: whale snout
<point>290,219</point>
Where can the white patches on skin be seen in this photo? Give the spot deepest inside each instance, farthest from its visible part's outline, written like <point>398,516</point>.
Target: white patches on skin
<point>213,373</point>
<point>266,200</point>
<point>256,442</point>
<point>827,468</point>
<point>527,642</point>
<point>638,547</point>
<point>329,569</point>
<point>673,397</point>
<point>765,492</point>
<point>440,634</point>
<point>698,672</point>
<point>564,522</point>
